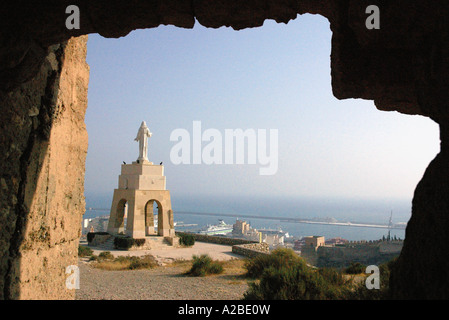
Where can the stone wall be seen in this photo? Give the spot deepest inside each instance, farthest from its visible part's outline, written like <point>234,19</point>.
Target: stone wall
<point>342,255</point>
<point>98,239</point>
<point>157,242</point>
<point>310,255</point>
<point>216,239</point>
<point>251,250</point>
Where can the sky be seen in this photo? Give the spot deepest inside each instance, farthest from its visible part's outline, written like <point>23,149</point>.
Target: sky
<point>275,77</point>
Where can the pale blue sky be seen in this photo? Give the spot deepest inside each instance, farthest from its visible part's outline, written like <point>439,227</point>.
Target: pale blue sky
<point>273,77</point>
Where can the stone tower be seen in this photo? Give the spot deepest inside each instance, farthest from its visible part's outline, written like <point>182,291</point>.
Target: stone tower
<point>141,185</point>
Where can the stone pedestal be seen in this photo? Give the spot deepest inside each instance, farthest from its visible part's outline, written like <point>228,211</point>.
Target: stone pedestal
<point>140,186</point>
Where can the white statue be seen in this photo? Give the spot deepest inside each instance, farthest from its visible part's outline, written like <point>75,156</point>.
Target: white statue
<point>142,135</point>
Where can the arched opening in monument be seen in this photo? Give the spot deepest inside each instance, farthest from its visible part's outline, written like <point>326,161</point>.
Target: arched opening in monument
<point>122,215</point>
<point>153,218</point>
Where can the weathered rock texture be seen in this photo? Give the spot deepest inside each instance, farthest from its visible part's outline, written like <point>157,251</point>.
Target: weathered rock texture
<point>251,250</point>
<point>44,146</point>
<point>403,66</point>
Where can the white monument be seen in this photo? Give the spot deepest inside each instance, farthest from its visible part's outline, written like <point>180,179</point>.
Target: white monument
<point>142,136</point>
<point>141,185</point>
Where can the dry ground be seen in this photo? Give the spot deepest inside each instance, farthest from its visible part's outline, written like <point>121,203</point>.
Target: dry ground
<point>162,283</point>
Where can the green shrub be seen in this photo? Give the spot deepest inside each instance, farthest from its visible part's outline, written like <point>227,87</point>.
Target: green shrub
<point>139,242</point>
<point>355,268</point>
<point>215,268</point>
<point>187,240</point>
<point>91,235</point>
<point>126,242</point>
<point>93,258</point>
<point>123,242</point>
<point>296,283</point>
<point>281,257</point>
<point>204,265</point>
<point>333,277</point>
<point>106,255</point>
<point>362,293</point>
<point>284,283</point>
<point>144,262</point>
<point>121,259</point>
<point>126,263</point>
<point>84,251</point>
<point>283,275</point>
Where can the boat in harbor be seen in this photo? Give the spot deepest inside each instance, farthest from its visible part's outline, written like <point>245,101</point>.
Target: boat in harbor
<point>277,231</point>
<point>182,224</point>
<point>220,228</point>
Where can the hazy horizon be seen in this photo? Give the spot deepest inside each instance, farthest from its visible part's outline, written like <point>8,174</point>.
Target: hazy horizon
<point>356,210</point>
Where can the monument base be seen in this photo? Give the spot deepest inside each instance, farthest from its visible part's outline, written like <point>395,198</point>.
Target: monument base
<point>137,207</point>
<point>143,162</point>
<point>156,243</point>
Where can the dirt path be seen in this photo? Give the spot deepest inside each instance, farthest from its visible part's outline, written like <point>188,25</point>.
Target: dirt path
<point>162,283</point>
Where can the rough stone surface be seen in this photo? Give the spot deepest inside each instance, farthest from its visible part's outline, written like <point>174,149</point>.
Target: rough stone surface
<point>403,67</point>
<point>251,250</point>
<point>44,145</point>
<point>375,253</point>
<point>215,239</point>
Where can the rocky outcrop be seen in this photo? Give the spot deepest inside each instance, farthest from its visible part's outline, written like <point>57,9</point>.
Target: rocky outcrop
<point>421,271</point>
<point>403,67</point>
<point>44,145</point>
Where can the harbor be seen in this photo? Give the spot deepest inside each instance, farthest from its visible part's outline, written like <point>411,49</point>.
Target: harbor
<point>209,223</point>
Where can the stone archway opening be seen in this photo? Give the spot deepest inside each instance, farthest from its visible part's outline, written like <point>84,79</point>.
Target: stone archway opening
<point>43,93</point>
<point>122,216</point>
<point>403,107</point>
<point>153,214</point>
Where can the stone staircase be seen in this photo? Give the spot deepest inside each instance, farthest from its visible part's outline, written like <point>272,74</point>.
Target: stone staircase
<point>157,242</point>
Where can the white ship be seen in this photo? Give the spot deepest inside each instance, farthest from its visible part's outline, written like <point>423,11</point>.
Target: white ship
<point>220,228</point>
<point>182,224</point>
<point>277,231</point>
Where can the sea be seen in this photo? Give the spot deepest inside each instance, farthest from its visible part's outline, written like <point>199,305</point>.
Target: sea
<point>202,211</point>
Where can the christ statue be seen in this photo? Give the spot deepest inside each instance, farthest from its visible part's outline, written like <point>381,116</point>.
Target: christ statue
<point>142,135</point>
